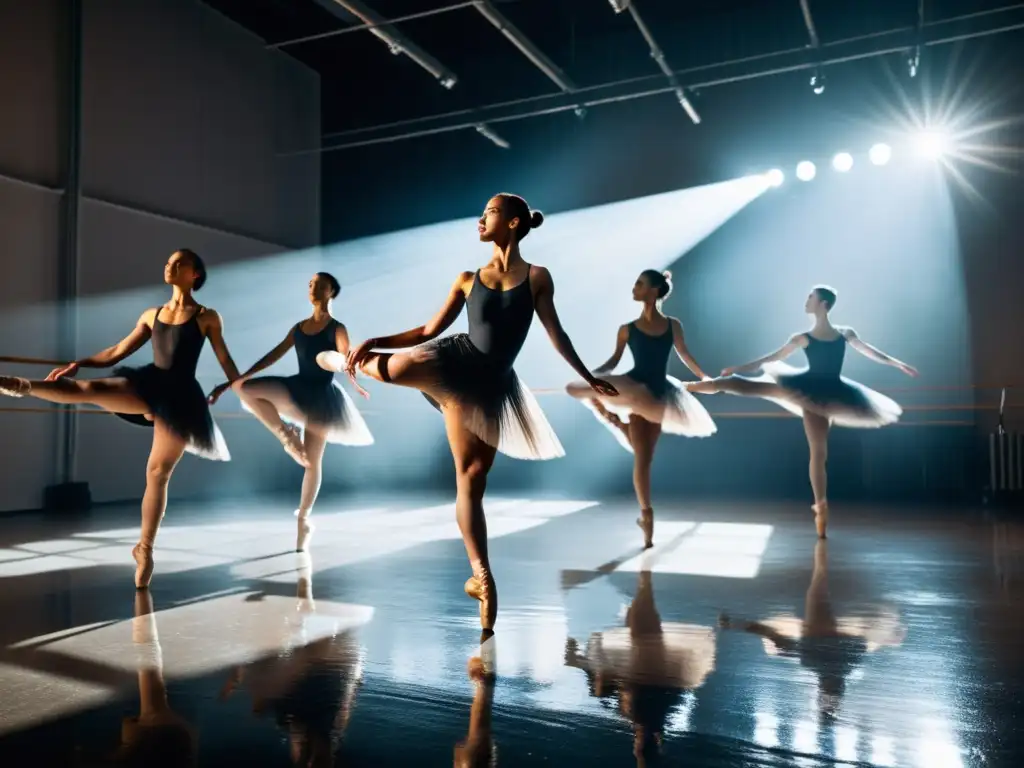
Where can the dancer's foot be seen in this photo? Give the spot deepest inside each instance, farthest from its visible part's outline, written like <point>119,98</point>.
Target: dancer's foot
<point>481,587</point>
<point>646,523</point>
<point>143,556</point>
<point>821,518</point>
<point>304,532</point>
<point>291,440</point>
<point>14,386</point>
<point>705,386</point>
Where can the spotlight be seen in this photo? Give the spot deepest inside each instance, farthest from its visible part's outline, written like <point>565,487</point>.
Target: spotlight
<point>806,171</point>
<point>842,162</point>
<point>914,62</point>
<point>619,5</point>
<point>818,83</point>
<point>775,178</point>
<point>880,154</point>
<point>932,144</point>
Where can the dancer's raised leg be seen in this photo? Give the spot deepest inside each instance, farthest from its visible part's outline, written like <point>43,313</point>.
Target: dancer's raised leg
<point>268,401</point>
<point>112,394</point>
<point>164,456</point>
<point>736,385</point>
<point>473,460</point>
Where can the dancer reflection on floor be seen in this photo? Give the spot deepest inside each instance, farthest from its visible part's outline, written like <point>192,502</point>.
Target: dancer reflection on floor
<point>158,736</point>
<point>819,394</point>
<point>310,689</point>
<point>478,749</point>
<point>308,410</point>
<point>649,663</point>
<point>164,395</point>
<point>470,379</point>
<point>831,647</point>
<point>649,401</point>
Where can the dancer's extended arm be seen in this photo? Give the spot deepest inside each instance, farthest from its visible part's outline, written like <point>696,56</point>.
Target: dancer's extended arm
<point>874,353</point>
<point>621,338</point>
<point>795,342</point>
<point>110,356</point>
<point>544,304</point>
<point>681,349</point>
<point>262,364</point>
<point>431,330</point>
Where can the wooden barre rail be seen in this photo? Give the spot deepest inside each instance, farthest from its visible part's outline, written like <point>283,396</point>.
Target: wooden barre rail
<point>560,391</point>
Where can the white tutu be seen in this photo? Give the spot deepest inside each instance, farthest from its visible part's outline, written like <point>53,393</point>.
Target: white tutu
<point>846,403</point>
<point>678,411</point>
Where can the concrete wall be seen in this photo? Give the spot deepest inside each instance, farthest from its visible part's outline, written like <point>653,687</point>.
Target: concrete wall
<point>185,117</point>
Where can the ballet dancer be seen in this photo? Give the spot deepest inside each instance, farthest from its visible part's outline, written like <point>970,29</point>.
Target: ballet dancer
<point>650,401</point>
<point>308,410</point>
<point>469,377</point>
<point>819,394</point>
<point>163,395</point>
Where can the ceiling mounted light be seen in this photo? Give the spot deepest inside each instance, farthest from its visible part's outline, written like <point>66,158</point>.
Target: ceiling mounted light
<point>818,83</point>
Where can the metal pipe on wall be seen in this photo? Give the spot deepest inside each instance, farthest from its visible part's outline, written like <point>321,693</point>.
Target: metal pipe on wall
<point>67,289</point>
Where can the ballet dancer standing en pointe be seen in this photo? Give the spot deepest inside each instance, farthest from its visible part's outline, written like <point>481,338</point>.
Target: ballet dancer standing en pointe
<point>163,395</point>
<point>308,410</point>
<point>819,393</point>
<point>470,379</point>
<point>649,401</point>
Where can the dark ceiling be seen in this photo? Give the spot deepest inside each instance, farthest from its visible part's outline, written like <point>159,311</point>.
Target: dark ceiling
<point>364,84</point>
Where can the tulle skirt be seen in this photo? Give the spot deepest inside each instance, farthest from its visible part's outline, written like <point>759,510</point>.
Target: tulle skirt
<point>498,408</point>
<point>845,402</point>
<point>180,403</point>
<point>322,404</point>
<point>678,411</point>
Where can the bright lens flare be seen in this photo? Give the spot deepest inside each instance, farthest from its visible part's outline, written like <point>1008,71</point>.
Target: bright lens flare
<point>932,144</point>
<point>880,154</point>
<point>806,171</point>
<point>775,177</point>
<point>842,162</point>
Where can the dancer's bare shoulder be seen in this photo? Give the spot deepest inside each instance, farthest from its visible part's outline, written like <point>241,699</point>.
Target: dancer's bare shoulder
<point>464,282</point>
<point>798,340</point>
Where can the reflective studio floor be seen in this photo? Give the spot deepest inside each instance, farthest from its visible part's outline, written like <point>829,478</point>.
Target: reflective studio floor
<point>738,641</point>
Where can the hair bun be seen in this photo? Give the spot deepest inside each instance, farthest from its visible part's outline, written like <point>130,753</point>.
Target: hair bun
<point>536,219</point>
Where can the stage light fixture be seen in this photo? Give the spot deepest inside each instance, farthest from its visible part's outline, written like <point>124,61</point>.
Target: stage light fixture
<point>880,154</point>
<point>805,171</point>
<point>775,177</point>
<point>932,144</point>
<point>818,83</point>
<point>619,5</point>
<point>842,162</point>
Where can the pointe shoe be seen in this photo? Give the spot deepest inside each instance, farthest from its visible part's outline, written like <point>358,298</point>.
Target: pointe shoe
<point>304,532</point>
<point>481,587</point>
<point>143,556</point>
<point>821,519</point>
<point>292,444</point>
<point>14,386</point>
<point>646,524</point>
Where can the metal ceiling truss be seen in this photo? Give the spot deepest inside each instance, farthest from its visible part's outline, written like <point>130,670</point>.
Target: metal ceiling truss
<point>909,41</point>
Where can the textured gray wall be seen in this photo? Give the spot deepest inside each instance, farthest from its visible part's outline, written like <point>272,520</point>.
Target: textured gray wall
<point>185,115</point>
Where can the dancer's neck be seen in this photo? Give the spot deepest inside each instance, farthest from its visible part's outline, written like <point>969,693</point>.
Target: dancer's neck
<point>180,298</point>
<point>506,257</point>
<point>320,312</point>
<point>650,312</point>
<point>821,323</point>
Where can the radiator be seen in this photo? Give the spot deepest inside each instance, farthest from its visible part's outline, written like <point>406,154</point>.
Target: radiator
<point>1005,458</point>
